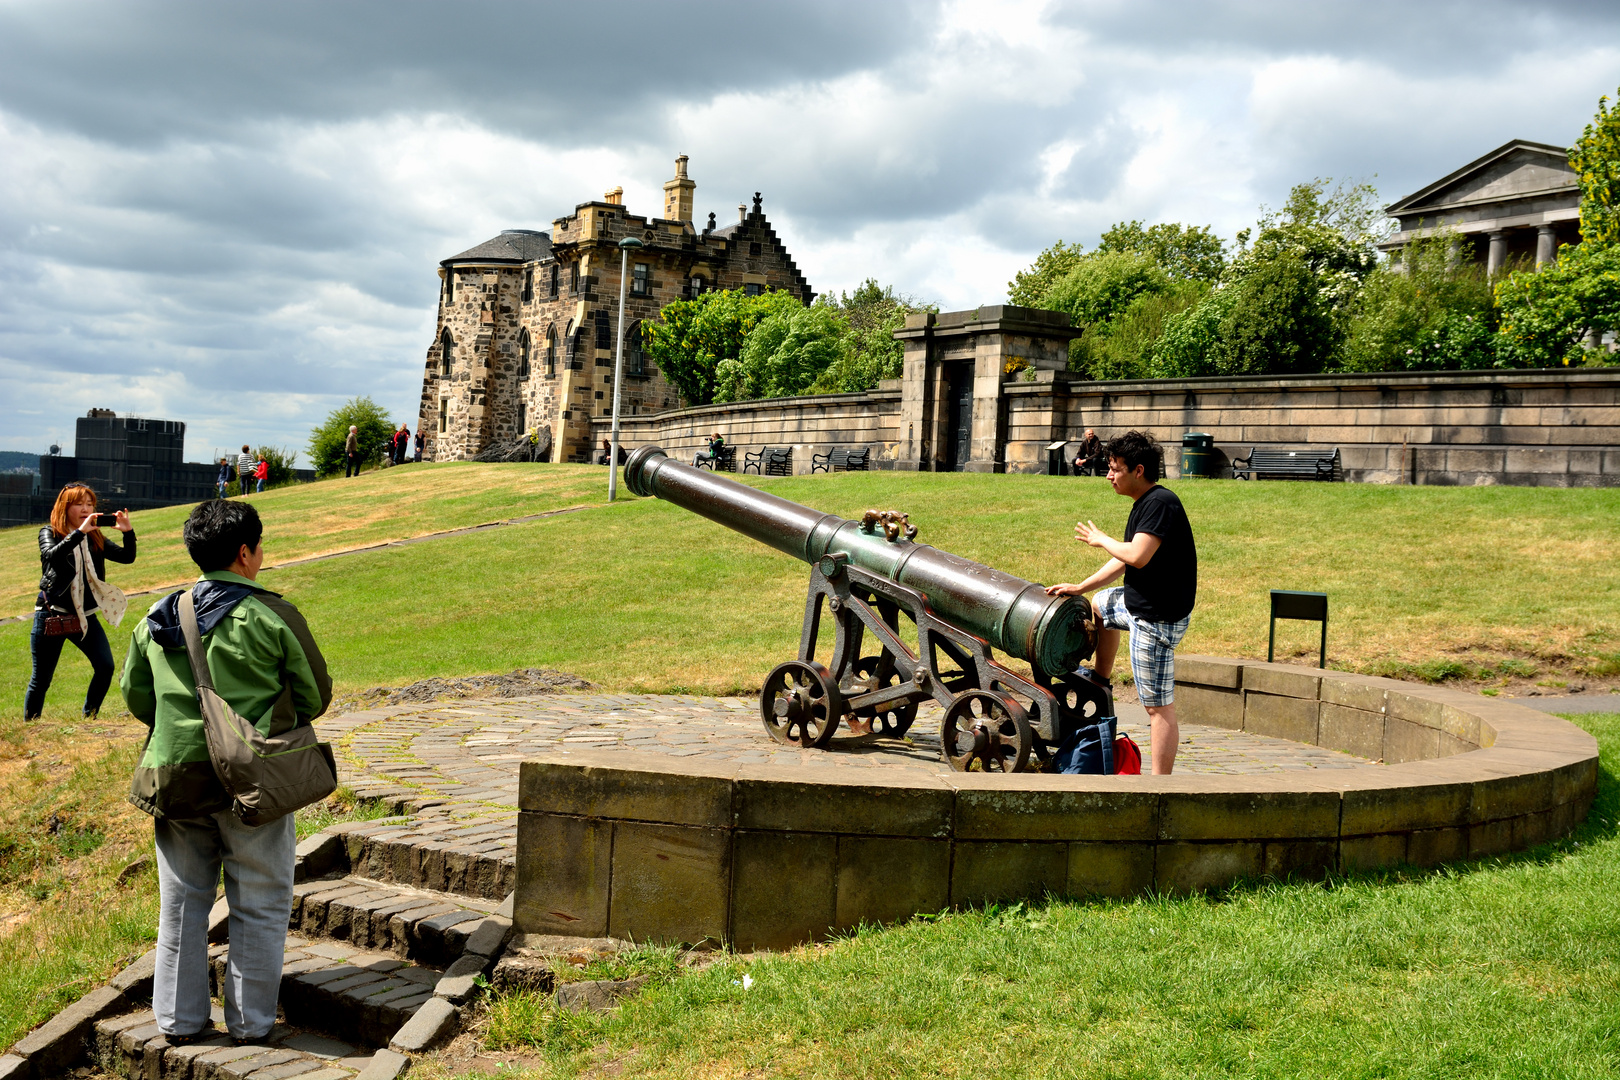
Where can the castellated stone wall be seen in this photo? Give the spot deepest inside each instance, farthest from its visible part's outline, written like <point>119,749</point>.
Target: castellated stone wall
<point>554,300</point>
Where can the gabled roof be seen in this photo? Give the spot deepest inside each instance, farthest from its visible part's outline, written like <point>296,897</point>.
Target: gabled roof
<point>1551,174</point>
<point>512,246</point>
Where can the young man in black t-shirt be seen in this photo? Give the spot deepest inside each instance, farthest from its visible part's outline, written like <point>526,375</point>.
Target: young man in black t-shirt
<point>1160,564</point>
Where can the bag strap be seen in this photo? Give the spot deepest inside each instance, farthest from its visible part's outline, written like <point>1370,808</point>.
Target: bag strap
<point>194,646</point>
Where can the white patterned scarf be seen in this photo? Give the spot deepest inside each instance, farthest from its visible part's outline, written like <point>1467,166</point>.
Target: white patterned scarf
<point>109,598</point>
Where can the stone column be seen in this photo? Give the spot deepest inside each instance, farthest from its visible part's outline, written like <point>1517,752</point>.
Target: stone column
<point>1498,251</point>
<point>1546,245</point>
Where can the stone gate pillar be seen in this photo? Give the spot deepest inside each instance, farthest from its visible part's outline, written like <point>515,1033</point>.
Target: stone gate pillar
<point>953,407</point>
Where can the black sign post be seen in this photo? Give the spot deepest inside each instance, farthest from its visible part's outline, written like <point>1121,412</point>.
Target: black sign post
<point>1304,606</point>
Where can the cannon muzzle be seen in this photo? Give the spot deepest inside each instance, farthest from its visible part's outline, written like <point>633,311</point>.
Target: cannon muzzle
<point>1013,615</point>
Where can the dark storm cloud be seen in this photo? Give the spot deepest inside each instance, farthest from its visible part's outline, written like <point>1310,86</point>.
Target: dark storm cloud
<point>231,213</point>
<point>128,72</point>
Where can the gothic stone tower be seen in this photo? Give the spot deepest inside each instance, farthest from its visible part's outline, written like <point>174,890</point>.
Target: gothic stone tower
<point>525,332</point>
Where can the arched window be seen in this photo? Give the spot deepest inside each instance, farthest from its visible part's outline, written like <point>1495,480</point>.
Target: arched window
<point>523,353</point>
<point>551,350</point>
<point>632,349</point>
<point>447,351</point>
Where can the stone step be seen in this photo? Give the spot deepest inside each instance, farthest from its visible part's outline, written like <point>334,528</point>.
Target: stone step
<point>357,995</point>
<point>410,923</point>
<point>130,1046</point>
<point>471,856</point>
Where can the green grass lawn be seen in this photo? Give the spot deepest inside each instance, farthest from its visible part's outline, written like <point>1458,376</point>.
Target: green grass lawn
<point>643,596</point>
<point>1504,968</point>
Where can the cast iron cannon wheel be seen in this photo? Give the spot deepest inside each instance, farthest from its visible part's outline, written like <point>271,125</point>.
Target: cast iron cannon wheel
<point>986,732</point>
<point>800,704</point>
<point>892,720</point>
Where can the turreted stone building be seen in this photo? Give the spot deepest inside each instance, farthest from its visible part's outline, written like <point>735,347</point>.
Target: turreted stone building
<point>525,333</point>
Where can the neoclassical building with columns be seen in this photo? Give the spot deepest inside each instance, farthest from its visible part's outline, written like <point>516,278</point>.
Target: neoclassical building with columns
<point>1516,205</point>
<point>527,320</point>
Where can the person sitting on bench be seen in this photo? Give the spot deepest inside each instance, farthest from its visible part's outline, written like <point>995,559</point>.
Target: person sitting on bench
<point>712,454</point>
<point>1090,460</point>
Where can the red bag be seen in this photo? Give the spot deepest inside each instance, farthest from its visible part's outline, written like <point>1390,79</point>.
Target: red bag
<point>1127,758</point>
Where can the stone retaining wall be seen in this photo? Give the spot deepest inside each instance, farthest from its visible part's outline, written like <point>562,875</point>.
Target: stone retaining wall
<point>1529,428</point>
<point>767,857</point>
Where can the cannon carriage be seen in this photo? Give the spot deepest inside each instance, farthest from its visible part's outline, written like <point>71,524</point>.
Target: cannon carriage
<point>875,583</point>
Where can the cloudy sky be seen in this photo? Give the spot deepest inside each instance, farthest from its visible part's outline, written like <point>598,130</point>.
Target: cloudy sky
<point>231,213</point>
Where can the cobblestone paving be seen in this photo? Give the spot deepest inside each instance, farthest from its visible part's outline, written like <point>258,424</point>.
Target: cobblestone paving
<point>461,758</point>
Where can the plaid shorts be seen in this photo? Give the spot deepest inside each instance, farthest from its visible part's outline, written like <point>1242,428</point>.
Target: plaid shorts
<point>1153,646</point>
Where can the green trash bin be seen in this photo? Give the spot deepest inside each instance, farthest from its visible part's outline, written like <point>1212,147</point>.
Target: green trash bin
<point>1198,454</point>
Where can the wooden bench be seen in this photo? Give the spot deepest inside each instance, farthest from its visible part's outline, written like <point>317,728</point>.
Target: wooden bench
<point>726,463</point>
<point>1276,464</point>
<point>841,460</point>
<point>770,461</point>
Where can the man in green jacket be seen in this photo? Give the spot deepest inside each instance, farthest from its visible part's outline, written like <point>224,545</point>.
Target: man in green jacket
<point>267,667</point>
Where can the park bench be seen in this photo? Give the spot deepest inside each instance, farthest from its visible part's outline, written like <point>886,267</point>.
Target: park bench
<point>842,460</point>
<point>727,461</point>
<point>1280,464</point>
<point>770,461</point>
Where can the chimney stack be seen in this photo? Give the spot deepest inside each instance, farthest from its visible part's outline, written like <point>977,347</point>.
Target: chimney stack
<point>616,196</point>
<point>678,194</point>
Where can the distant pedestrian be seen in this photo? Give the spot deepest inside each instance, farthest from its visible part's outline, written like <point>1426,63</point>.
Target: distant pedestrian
<point>246,466</point>
<point>261,473</point>
<point>351,453</point>
<point>402,443</point>
<point>224,479</point>
<point>419,442</point>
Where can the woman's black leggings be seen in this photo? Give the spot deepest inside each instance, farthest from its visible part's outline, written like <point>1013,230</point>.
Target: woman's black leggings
<point>47,651</point>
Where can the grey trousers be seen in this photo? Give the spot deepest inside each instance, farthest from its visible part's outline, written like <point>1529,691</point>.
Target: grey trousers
<point>258,867</point>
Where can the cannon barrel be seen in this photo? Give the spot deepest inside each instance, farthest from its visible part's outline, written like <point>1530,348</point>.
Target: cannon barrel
<point>1013,615</point>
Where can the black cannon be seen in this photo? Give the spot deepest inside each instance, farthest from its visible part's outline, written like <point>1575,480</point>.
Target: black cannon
<point>870,573</point>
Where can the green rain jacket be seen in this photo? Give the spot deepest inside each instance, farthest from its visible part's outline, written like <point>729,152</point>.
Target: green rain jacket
<point>258,645</point>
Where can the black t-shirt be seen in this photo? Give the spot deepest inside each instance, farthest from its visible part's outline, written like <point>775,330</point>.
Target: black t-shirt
<point>1164,589</point>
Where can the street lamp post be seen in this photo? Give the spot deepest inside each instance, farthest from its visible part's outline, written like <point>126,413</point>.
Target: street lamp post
<point>627,245</point>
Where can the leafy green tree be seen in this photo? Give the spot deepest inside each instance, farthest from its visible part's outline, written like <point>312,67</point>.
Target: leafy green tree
<point>327,441</point>
<point>782,356</point>
<point>282,461</point>
<point>1431,312</point>
<point>1596,157</point>
<point>1547,314</point>
<point>872,313</point>
<point>1279,322</point>
<point>1103,285</point>
<point>690,338</point>
<point>1124,346</point>
<point>1029,287</point>
<point>1185,252</point>
<point>1191,339</point>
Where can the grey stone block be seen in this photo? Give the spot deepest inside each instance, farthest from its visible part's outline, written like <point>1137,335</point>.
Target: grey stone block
<point>595,995</point>
<point>318,1046</point>
<point>319,855</point>
<point>219,918</point>
<point>490,936</point>
<point>384,1065</point>
<point>460,979</point>
<point>505,910</point>
<point>523,972</point>
<point>434,1022</point>
<point>13,1067</point>
<point>135,981</point>
<point>60,1043</point>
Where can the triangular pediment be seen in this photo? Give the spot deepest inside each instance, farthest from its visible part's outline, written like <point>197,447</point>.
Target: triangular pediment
<point>1515,170</point>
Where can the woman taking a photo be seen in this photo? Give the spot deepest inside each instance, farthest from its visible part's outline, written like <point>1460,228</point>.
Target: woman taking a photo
<point>72,588</point>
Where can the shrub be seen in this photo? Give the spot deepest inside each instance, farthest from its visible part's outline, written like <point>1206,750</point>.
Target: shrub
<point>1430,312</point>
<point>690,338</point>
<point>326,442</point>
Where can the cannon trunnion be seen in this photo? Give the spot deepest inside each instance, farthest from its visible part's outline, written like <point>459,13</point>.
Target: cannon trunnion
<point>867,576</point>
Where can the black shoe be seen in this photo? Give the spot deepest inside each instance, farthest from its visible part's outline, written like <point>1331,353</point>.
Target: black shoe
<point>1091,676</point>
<point>207,1032</point>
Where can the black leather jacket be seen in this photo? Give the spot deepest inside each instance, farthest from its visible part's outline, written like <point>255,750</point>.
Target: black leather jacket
<point>56,565</point>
